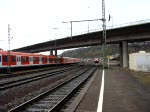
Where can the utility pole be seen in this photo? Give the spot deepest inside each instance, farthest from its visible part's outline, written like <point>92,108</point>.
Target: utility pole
<point>8,57</point>
<point>103,40</point>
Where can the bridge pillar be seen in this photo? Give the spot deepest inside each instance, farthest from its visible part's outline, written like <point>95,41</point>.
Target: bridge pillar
<point>55,52</point>
<point>121,56</point>
<point>123,46</point>
<point>51,52</point>
<point>125,53</point>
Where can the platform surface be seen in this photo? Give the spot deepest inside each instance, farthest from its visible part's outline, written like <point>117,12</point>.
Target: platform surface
<point>122,93</point>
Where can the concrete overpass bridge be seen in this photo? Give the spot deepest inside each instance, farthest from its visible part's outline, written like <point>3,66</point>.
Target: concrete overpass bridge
<point>121,35</point>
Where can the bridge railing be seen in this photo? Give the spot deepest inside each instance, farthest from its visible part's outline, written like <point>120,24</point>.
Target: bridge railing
<point>116,26</point>
<point>130,23</point>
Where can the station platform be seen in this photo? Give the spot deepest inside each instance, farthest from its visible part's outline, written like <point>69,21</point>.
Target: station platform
<point>122,93</point>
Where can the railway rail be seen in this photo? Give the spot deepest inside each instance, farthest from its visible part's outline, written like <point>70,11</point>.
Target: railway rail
<point>10,84</point>
<point>53,99</point>
<point>19,73</point>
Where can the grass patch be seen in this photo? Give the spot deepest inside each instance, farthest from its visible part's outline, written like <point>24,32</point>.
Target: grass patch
<point>142,77</point>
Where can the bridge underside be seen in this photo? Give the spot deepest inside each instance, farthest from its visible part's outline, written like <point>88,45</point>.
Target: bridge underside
<point>122,36</point>
<point>130,34</point>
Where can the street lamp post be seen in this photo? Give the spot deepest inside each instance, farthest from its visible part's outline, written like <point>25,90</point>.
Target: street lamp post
<point>55,35</point>
<point>70,27</point>
<point>55,40</point>
<point>81,21</point>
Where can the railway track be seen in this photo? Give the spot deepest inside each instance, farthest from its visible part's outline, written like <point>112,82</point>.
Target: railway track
<point>53,99</point>
<point>21,73</point>
<point>10,84</point>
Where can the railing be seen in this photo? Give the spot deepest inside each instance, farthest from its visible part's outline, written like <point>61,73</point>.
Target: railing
<point>116,26</point>
<point>131,23</point>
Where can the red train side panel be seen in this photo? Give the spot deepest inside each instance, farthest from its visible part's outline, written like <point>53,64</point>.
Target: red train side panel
<point>16,59</point>
<point>6,58</point>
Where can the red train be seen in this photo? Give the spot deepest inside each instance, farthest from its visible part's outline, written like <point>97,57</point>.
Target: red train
<point>18,59</point>
<point>96,60</point>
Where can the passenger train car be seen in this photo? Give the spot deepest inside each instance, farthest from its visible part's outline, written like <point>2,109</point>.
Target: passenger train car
<point>18,59</point>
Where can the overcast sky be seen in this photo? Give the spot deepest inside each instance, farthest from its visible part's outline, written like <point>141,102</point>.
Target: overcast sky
<point>35,21</point>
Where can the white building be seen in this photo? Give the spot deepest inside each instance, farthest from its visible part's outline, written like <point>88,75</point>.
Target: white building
<point>139,61</point>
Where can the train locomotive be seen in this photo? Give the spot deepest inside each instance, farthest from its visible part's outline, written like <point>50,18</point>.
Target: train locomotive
<point>96,60</point>
<point>19,59</point>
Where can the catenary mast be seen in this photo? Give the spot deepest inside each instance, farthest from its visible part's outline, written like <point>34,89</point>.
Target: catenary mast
<point>103,40</point>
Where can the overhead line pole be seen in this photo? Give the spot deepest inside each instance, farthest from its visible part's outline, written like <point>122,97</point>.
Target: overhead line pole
<point>80,21</point>
<point>8,58</point>
<point>103,41</point>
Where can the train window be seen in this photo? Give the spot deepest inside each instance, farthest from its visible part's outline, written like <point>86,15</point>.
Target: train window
<point>52,59</point>
<point>45,59</point>
<point>27,59</point>
<point>56,60</point>
<point>59,60</point>
<point>35,59</point>
<point>13,58</point>
<point>23,59</point>
<point>42,59</point>
<point>5,59</point>
<point>0,58</point>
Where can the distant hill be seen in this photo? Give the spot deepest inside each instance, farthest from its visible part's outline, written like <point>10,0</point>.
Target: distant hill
<point>96,51</point>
